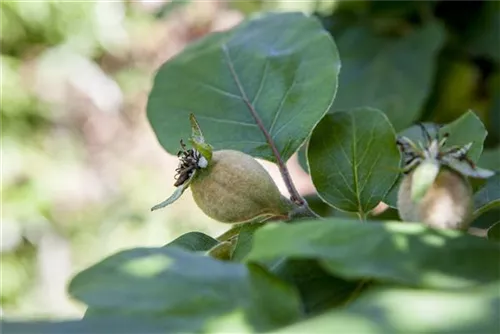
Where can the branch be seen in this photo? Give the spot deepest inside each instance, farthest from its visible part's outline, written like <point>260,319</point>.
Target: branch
<point>294,194</point>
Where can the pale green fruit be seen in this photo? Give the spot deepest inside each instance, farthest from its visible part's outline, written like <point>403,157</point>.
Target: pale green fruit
<point>235,188</point>
<point>446,204</point>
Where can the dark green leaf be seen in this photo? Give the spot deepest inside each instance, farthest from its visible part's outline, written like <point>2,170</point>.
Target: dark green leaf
<point>318,289</point>
<point>395,9</point>
<point>400,310</point>
<point>319,206</point>
<point>405,253</point>
<point>488,197</point>
<point>484,33</point>
<point>244,243</point>
<point>193,292</point>
<point>391,199</point>
<point>353,159</point>
<point>490,159</point>
<point>494,232</point>
<point>494,115</point>
<point>487,219</point>
<point>194,241</point>
<point>283,67</point>
<point>391,74</point>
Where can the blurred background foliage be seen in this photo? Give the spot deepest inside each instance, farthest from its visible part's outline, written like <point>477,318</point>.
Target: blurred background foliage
<point>80,164</point>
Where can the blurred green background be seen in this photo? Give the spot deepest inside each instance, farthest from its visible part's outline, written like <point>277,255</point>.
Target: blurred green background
<point>81,166</point>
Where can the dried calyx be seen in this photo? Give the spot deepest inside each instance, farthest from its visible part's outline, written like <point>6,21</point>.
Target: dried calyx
<point>435,189</point>
<point>190,160</point>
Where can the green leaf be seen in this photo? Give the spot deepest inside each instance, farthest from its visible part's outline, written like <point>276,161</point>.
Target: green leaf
<point>353,159</point>
<point>198,140</point>
<point>392,74</point>
<point>487,219</point>
<point>194,241</point>
<point>483,33</point>
<point>319,206</point>
<point>244,243</point>
<point>391,199</point>
<point>176,195</point>
<point>488,197</point>
<point>402,310</point>
<point>193,292</point>
<point>468,128</point>
<point>422,179</point>
<point>124,325</point>
<point>494,232</point>
<point>394,10</point>
<point>318,289</point>
<point>277,69</point>
<point>406,253</point>
<point>490,159</point>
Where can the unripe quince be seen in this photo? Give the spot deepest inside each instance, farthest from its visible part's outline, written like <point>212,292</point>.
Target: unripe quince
<point>235,188</point>
<point>446,204</point>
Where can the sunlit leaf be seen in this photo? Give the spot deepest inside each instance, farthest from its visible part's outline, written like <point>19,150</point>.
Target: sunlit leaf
<point>189,291</point>
<point>408,253</point>
<point>402,310</point>
<point>275,70</point>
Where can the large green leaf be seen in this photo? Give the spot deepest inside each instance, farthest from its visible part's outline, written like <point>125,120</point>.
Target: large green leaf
<point>277,69</point>
<point>392,74</point>
<point>383,310</point>
<point>188,290</point>
<point>405,253</point>
<point>488,197</point>
<point>400,310</point>
<point>123,325</point>
<point>353,159</point>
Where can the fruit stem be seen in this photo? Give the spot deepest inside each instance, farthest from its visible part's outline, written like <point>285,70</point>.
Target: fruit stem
<point>295,197</point>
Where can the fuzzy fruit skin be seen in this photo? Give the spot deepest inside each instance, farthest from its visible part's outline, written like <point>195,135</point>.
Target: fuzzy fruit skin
<point>235,188</point>
<point>447,204</point>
